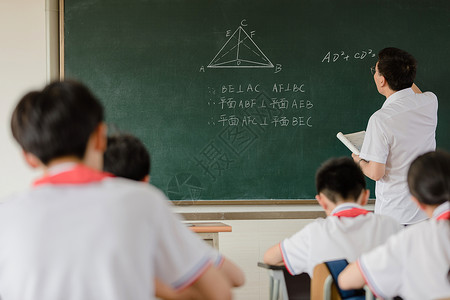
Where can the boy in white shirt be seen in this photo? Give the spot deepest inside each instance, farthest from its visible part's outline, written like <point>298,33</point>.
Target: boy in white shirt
<point>81,234</point>
<point>348,231</point>
<point>415,263</point>
<point>126,156</point>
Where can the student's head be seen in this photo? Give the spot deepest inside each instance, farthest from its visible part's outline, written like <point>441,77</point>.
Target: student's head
<point>398,67</point>
<point>429,178</point>
<point>57,121</point>
<point>341,179</point>
<point>126,156</point>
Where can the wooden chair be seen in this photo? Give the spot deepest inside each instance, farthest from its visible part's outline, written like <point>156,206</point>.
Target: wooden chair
<point>324,284</point>
<point>284,286</point>
<point>321,282</point>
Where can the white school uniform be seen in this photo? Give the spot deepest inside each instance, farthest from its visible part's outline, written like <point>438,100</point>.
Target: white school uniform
<point>414,263</point>
<point>336,237</point>
<point>80,234</point>
<point>396,134</point>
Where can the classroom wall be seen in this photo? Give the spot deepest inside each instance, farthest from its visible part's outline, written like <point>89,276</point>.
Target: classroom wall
<point>246,245</point>
<point>249,240</point>
<point>22,67</point>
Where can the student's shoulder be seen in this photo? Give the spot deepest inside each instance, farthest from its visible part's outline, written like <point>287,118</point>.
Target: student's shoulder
<point>20,203</point>
<point>384,220</point>
<point>382,223</point>
<point>407,237</point>
<point>132,188</point>
<point>137,198</point>
<point>427,229</point>
<point>133,197</point>
<point>14,198</point>
<point>29,194</point>
<point>314,226</point>
<point>321,224</point>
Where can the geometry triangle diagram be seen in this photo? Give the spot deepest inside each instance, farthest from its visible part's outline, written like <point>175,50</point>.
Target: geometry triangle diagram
<point>240,51</point>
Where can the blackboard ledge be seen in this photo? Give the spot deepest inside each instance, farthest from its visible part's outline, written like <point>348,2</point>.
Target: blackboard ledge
<point>243,202</point>
<point>280,215</point>
<point>248,202</point>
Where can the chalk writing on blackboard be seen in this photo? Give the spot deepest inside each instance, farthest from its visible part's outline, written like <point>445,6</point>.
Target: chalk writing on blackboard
<point>225,150</point>
<point>246,112</point>
<point>241,105</point>
<point>332,57</point>
<point>240,51</point>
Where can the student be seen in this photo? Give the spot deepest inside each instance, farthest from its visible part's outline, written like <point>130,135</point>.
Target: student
<point>126,156</point>
<point>348,231</point>
<point>403,128</point>
<point>414,263</point>
<point>80,234</point>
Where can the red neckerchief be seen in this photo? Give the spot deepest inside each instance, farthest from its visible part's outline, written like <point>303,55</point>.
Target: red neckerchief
<point>351,212</point>
<point>80,174</point>
<point>444,216</point>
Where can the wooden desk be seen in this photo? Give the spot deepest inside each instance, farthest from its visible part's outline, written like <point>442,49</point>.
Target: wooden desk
<point>209,231</point>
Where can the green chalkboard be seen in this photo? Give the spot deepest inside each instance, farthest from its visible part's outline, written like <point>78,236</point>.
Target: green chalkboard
<point>243,99</point>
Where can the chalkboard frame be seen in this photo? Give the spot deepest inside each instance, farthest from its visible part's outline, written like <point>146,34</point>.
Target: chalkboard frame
<point>61,38</point>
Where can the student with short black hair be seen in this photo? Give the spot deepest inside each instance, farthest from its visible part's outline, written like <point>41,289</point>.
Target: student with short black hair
<point>126,156</point>
<point>79,233</point>
<point>414,263</point>
<point>349,229</point>
<point>53,123</point>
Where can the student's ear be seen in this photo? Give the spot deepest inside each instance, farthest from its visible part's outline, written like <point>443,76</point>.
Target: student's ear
<point>101,140</point>
<point>364,197</point>
<point>32,159</point>
<point>95,148</point>
<point>146,179</point>
<point>418,203</point>
<point>322,202</point>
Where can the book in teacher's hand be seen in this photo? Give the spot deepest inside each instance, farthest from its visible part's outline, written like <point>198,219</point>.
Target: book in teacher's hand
<point>353,141</point>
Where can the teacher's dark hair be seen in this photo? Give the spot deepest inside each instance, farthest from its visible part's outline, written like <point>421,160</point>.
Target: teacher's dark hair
<point>429,178</point>
<point>340,178</point>
<point>57,121</point>
<point>398,67</point>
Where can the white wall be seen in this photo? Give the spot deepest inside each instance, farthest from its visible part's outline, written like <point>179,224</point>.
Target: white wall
<point>246,245</point>
<point>22,67</point>
<point>249,240</point>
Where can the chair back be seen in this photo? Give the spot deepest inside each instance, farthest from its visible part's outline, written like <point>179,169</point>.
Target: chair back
<point>324,283</point>
<point>298,286</point>
<point>284,286</point>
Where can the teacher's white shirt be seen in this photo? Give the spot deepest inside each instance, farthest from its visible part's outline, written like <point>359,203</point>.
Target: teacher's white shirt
<point>401,130</point>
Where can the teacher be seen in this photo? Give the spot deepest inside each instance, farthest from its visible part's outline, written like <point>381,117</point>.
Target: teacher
<point>402,129</point>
